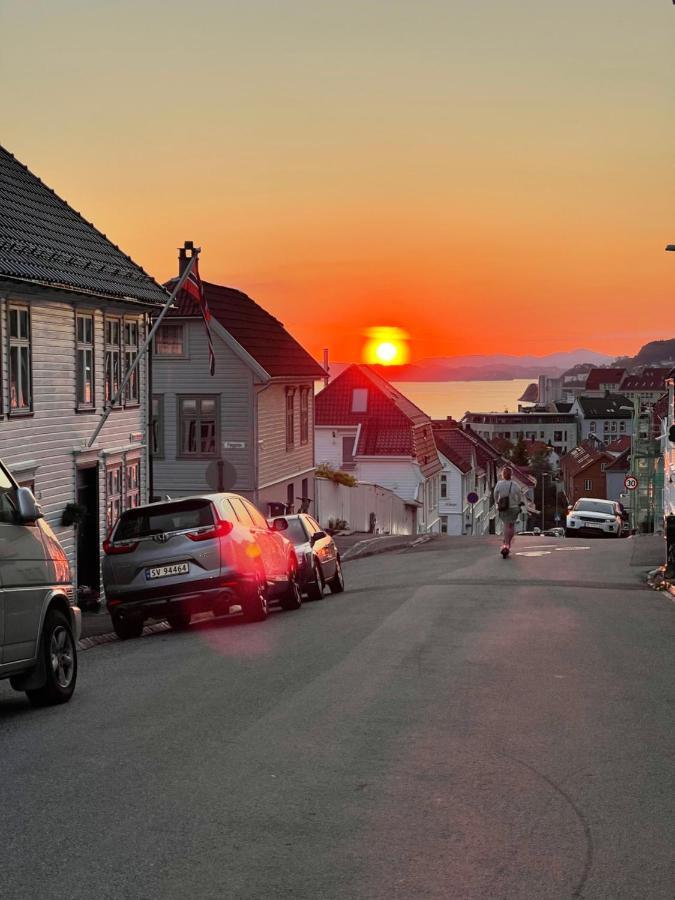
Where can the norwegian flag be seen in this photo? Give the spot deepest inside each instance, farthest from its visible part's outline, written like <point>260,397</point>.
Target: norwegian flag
<point>193,287</point>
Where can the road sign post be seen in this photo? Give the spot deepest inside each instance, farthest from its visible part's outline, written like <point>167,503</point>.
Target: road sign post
<point>631,482</point>
<point>472,498</point>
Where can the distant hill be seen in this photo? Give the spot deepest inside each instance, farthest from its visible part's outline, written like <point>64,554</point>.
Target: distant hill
<point>652,354</point>
<point>498,367</point>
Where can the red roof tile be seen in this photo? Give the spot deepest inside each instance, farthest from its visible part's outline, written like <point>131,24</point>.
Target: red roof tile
<point>597,377</point>
<point>258,332</point>
<point>581,458</point>
<point>650,379</point>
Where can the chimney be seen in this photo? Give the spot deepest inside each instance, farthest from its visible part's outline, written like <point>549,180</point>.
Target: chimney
<point>326,367</point>
<point>183,257</point>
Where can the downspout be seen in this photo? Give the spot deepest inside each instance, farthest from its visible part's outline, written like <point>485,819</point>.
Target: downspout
<point>149,428</point>
<point>256,446</point>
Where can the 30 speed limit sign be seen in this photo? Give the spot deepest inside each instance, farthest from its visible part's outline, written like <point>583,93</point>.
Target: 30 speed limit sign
<point>630,482</point>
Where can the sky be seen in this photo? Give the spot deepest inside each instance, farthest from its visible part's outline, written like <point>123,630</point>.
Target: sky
<point>487,176</point>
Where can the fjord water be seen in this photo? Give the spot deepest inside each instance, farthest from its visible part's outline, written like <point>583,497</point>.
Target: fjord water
<point>453,398</point>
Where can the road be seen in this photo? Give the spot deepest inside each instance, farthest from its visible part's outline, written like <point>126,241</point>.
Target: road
<point>454,726</point>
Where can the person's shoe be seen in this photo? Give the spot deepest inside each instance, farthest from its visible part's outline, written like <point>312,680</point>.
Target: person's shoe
<point>504,552</point>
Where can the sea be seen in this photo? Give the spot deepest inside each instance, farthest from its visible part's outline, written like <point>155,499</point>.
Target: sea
<point>440,399</point>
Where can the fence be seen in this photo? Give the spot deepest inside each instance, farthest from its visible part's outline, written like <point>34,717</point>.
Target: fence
<point>365,507</point>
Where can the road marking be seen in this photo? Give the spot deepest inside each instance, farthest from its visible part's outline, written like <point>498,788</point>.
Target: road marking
<point>540,547</point>
<point>572,548</point>
<point>534,553</point>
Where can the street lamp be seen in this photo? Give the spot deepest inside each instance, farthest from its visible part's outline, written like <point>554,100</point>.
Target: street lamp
<point>543,484</point>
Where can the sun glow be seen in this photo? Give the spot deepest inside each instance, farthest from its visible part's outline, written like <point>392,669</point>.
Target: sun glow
<point>386,346</point>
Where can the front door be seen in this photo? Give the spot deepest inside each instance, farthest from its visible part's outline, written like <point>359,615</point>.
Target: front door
<point>88,545</point>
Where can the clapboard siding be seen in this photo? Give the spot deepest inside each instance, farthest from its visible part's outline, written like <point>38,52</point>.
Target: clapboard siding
<point>233,385</point>
<point>51,439</point>
<point>275,462</point>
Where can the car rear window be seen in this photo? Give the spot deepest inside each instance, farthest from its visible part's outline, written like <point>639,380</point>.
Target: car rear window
<point>160,518</point>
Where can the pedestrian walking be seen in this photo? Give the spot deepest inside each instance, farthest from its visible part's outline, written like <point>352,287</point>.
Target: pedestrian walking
<point>509,499</point>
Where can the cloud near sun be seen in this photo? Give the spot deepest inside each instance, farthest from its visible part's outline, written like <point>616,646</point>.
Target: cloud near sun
<point>386,346</point>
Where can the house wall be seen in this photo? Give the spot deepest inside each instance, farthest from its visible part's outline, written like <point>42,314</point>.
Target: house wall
<point>450,508</point>
<point>575,487</point>
<point>668,461</point>
<point>561,435</point>
<point>47,447</point>
<point>232,383</point>
<point>605,428</point>
<point>616,490</point>
<point>356,505</point>
<point>328,444</point>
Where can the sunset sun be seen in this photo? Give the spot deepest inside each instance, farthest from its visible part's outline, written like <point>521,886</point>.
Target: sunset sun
<point>386,346</point>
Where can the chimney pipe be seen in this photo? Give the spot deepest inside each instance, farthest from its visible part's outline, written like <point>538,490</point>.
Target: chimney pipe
<point>183,258</point>
<point>326,367</point>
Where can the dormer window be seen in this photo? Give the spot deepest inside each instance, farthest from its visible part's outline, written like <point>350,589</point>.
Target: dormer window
<point>359,399</point>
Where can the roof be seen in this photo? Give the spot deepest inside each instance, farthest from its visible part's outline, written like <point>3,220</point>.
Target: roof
<point>619,445</point>
<point>562,406</point>
<point>611,406</point>
<point>530,394</point>
<point>258,332</point>
<point>650,379</point>
<point>581,458</point>
<point>661,408</point>
<point>455,445</point>
<point>391,425</point>
<point>45,241</point>
<point>621,462</point>
<point>599,377</point>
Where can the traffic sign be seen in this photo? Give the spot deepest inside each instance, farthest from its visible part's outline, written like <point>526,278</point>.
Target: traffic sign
<point>556,518</point>
<point>472,497</point>
<point>630,482</point>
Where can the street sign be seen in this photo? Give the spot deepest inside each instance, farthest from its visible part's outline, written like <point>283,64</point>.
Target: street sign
<point>630,482</point>
<point>556,518</point>
<point>472,497</point>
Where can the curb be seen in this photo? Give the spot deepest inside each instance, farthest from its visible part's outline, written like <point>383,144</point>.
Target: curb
<point>657,581</point>
<point>361,550</point>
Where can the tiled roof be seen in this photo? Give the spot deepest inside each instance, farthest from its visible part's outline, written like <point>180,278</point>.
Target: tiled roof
<point>454,444</point>
<point>258,332</point>
<point>612,406</point>
<point>390,426</point>
<point>619,445</point>
<point>562,406</point>
<point>45,241</point>
<point>598,377</point>
<point>620,463</point>
<point>650,379</point>
<point>661,408</point>
<point>530,394</point>
<point>581,458</point>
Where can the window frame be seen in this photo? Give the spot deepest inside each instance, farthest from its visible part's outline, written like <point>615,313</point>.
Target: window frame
<point>129,493</point>
<point>111,347</point>
<point>304,416</point>
<point>444,487</point>
<point>20,343</point>
<point>110,468</point>
<point>180,399</point>
<point>83,346</point>
<point>129,351</point>
<point>184,354</point>
<point>588,484</point>
<point>156,437</point>
<point>290,418</point>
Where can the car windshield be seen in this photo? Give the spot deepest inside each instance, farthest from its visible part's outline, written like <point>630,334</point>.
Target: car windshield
<point>295,532</point>
<point>158,519</point>
<point>596,506</point>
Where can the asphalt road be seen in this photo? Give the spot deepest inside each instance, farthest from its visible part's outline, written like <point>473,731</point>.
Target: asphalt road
<point>453,726</point>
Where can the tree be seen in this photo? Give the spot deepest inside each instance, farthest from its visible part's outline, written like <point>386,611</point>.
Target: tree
<point>519,454</point>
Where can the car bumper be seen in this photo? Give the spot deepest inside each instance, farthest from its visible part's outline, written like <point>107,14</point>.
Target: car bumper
<point>76,621</point>
<point>588,529</point>
<point>157,601</point>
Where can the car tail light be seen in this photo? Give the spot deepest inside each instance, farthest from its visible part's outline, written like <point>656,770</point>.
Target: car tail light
<point>111,549</point>
<point>220,529</point>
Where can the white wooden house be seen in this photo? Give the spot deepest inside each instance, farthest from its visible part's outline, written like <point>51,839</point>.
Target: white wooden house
<point>249,427</point>
<point>73,312</point>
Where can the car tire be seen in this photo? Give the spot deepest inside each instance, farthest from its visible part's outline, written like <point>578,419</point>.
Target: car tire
<point>569,532</point>
<point>255,607</point>
<point>57,645</point>
<point>337,582</point>
<point>292,598</point>
<point>315,588</point>
<point>179,620</point>
<point>126,628</point>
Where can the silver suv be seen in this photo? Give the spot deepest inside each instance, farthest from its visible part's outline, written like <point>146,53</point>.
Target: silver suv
<point>39,623</point>
<point>214,552</point>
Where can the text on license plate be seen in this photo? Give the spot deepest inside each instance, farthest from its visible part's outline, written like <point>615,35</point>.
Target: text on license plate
<point>594,525</point>
<point>166,571</point>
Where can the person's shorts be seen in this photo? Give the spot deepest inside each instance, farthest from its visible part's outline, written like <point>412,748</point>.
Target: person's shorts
<point>509,515</point>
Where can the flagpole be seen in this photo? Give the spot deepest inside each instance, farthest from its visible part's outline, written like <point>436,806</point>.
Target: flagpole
<point>148,340</point>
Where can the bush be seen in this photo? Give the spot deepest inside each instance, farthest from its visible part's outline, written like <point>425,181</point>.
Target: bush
<point>325,470</point>
<point>337,525</point>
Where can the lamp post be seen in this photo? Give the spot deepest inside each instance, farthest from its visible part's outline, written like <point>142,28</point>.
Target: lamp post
<point>544,476</point>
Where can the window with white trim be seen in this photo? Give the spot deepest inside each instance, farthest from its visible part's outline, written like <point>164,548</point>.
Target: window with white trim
<point>170,339</point>
<point>20,387</point>
<point>290,418</point>
<point>113,361</point>
<point>444,487</point>
<point>131,333</point>
<point>588,484</point>
<point>113,482</point>
<point>84,339</point>
<point>304,415</point>
<point>157,426</point>
<point>132,483</point>
<point>198,426</point>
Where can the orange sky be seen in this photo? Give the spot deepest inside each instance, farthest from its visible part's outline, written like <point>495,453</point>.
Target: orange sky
<point>490,177</point>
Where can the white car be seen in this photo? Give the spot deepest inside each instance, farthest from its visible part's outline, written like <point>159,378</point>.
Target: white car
<point>591,516</point>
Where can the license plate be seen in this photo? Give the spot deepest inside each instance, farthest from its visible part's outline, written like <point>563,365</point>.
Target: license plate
<point>593,525</point>
<point>166,571</point>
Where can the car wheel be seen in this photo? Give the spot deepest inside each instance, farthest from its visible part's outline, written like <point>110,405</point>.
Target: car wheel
<point>292,598</point>
<point>255,603</point>
<point>315,588</point>
<point>60,658</point>
<point>179,620</point>
<point>337,582</point>
<point>569,532</point>
<point>126,628</point>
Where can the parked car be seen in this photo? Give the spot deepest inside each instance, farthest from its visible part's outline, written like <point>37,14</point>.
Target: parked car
<point>318,557</point>
<point>594,516</point>
<point>213,552</point>
<point>38,645</point>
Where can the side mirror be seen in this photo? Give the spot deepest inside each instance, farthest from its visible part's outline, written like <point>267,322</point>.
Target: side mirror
<point>280,524</point>
<point>317,536</point>
<point>569,509</point>
<point>27,508</point>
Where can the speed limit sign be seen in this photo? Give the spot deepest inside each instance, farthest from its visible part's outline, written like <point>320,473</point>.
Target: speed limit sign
<point>630,482</point>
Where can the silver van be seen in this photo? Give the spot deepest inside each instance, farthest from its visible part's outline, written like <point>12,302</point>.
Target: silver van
<point>39,623</point>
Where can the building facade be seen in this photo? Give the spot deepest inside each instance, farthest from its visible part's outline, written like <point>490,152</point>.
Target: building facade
<point>558,430</point>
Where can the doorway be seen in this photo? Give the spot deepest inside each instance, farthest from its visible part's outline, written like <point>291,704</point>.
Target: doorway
<point>88,552</point>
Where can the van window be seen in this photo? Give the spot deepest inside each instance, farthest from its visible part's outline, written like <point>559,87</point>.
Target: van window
<point>160,518</point>
<point>7,505</point>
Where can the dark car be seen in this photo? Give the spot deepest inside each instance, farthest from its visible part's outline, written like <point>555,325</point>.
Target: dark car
<point>318,557</point>
<point>214,552</point>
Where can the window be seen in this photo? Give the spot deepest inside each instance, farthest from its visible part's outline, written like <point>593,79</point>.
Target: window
<point>84,337</point>
<point>613,427</point>
<point>131,330</point>
<point>198,424</point>
<point>290,497</point>
<point>359,399</point>
<point>157,426</point>
<point>592,426</point>
<point>113,334</point>
<point>622,427</point>
<point>20,390</point>
<point>348,452</point>
<point>113,481</point>
<point>444,524</point>
<point>304,415</point>
<point>603,466</point>
<point>557,436</point>
<point>444,488</point>
<point>290,418</point>
<point>605,426</point>
<point>588,484</point>
<point>170,340</point>
<point>132,484</point>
